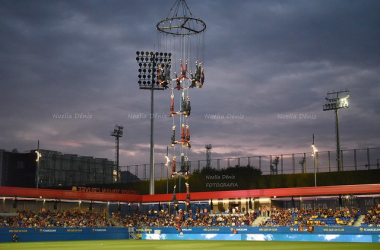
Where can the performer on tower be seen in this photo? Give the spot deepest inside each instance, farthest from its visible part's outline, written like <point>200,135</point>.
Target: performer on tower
<point>179,220</point>
<point>183,135</point>
<point>183,103</point>
<point>187,133</point>
<point>187,196</point>
<point>188,107</point>
<point>173,137</point>
<point>187,166</point>
<point>164,79</point>
<point>183,70</point>
<point>167,72</point>
<point>198,69</point>
<point>178,81</point>
<point>182,171</point>
<point>202,79</point>
<point>173,168</point>
<point>172,112</point>
<point>174,198</point>
<point>193,80</point>
<point>160,75</point>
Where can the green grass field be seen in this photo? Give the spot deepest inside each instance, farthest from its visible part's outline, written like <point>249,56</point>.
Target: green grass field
<point>181,245</point>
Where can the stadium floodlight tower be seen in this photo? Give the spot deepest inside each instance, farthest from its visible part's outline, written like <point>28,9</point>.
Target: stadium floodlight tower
<point>149,63</point>
<point>314,154</point>
<point>208,155</point>
<point>117,133</point>
<point>39,155</point>
<point>335,102</point>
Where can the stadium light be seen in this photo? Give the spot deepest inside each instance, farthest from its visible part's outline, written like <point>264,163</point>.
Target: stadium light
<point>117,133</point>
<point>149,63</point>
<point>167,169</point>
<point>334,102</point>
<point>39,155</point>
<point>314,154</point>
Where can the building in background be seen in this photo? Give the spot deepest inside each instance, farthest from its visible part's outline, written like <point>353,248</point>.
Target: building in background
<point>55,169</point>
<point>17,169</point>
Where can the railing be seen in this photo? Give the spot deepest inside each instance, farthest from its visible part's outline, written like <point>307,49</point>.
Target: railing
<point>325,161</point>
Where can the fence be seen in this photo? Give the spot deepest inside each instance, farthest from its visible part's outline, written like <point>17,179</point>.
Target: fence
<point>325,161</point>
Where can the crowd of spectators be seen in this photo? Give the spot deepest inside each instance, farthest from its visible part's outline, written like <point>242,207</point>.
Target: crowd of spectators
<point>190,219</point>
<point>372,218</point>
<point>312,217</point>
<point>45,218</point>
<point>78,219</point>
<point>278,217</point>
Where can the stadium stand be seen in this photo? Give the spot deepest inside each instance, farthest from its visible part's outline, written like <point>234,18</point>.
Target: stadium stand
<point>372,218</point>
<point>312,217</point>
<point>278,218</point>
<point>43,218</point>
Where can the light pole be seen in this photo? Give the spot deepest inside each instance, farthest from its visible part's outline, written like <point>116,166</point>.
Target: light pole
<point>208,155</point>
<point>38,164</point>
<point>335,103</point>
<point>315,150</point>
<point>302,162</point>
<point>148,66</point>
<point>167,169</point>
<point>275,162</point>
<point>117,133</point>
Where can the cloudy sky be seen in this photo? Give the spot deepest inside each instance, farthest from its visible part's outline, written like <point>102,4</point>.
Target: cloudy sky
<point>68,74</point>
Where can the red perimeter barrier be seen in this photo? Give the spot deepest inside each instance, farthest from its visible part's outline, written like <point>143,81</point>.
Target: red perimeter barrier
<point>106,196</point>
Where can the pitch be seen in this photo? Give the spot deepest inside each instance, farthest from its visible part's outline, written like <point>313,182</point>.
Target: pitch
<point>150,245</point>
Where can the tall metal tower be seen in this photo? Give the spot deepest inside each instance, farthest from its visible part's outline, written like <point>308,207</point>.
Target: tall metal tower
<point>315,155</point>
<point>182,35</point>
<point>117,133</point>
<point>208,155</point>
<point>158,71</point>
<point>335,102</point>
<point>149,62</point>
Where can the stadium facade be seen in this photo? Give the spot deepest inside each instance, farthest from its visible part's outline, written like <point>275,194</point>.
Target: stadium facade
<point>55,169</point>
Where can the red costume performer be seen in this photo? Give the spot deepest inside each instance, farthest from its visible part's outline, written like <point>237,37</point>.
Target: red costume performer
<point>183,134</point>
<point>174,197</point>
<point>187,196</point>
<point>172,112</point>
<point>183,70</point>
<point>173,166</point>
<point>178,81</point>
<point>187,133</point>
<point>179,220</point>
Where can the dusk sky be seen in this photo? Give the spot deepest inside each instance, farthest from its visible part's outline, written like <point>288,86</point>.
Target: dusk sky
<point>68,74</point>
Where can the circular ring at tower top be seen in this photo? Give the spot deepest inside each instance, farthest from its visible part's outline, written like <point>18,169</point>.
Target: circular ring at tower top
<point>181,26</point>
